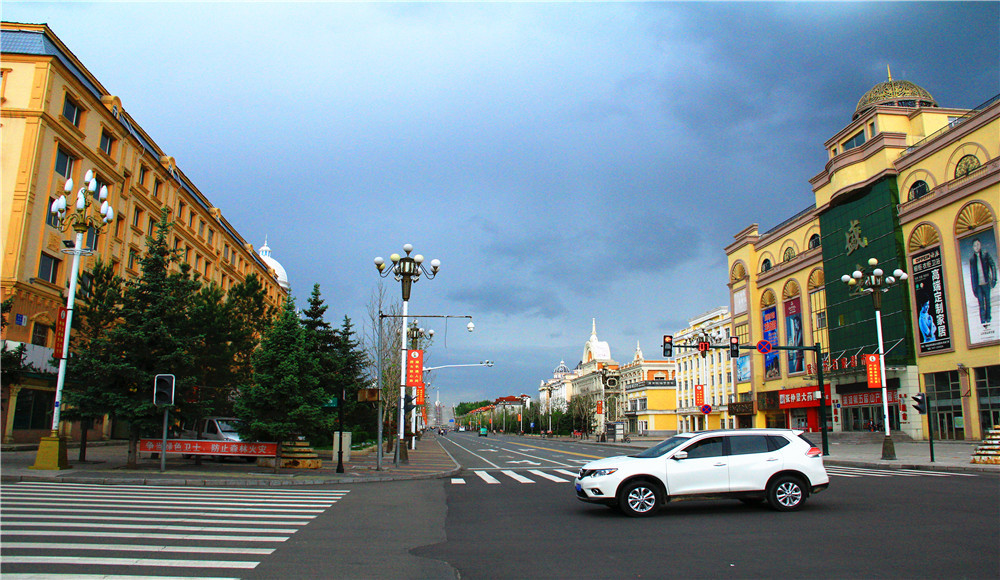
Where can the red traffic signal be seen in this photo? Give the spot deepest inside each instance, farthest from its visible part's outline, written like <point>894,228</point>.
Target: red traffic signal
<point>704,347</point>
<point>734,347</point>
<point>668,346</point>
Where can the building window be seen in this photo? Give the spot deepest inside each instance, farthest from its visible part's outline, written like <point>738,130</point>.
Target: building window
<point>789,254</point>
<point>92,239</point>
<point>211,236</point>
<point>918,190</point>
<point>97,191</point>
<point>34,409</point>
<point>72,111</point>
<point>133,258</point>
<point>142,175</point>
<point>48,268</point>
<point>815,241</point>
<point>225,253</point>
<point>107,142</point>
<point>966,165</point>
<point>151,227</point>
<point>40,334</point>
<point>988,391</point>
<point>191,220</point>
<point>156,188</point>
<point>180,210</point>
<point>137,218</point>
<point>855,141</point>
<point>64,163</point>
<point>119,227</point>
<point>50,218</point>
<point>765,265</point>
<point>201,229</point>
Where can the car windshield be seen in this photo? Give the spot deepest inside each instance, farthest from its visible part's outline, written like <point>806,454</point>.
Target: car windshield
<point>664,446</point>
<point>229,426</point>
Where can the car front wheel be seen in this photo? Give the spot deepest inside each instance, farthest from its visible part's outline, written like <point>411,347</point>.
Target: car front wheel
<point>786,493</point>
<point>639,499</point>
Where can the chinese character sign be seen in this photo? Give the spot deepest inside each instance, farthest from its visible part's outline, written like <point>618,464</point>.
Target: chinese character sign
<point>60,332</point>
<point>772,360</point>
<point>874,371</point>
<point>414,368</point>
<point>420,395</point>
<point>928,293</point>
<point>699,395</point>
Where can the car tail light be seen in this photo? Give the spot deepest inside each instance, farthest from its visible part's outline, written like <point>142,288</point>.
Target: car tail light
<point>814,452</point>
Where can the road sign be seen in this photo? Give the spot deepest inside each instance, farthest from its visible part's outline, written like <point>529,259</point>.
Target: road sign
<point>764,346</point>
<point>706,409</point>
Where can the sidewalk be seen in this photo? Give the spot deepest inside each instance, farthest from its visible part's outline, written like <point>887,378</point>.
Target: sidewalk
<point>949,456</point>
<point>106,465</point>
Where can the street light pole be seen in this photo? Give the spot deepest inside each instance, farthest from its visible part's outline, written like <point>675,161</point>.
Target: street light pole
<point>407,270</point>
<point>875,284</point>
<point>52,449</point>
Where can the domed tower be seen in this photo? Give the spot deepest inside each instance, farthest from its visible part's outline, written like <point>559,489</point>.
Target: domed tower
<point>279,271</point>
<point>894,94</point>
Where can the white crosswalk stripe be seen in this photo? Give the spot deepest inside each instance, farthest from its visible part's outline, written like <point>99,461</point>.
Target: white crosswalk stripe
<point>519,476</point>
<point>52,529</point>
<point>847,471</point>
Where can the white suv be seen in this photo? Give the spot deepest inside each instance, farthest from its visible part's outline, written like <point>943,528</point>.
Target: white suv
<point>751,465</point>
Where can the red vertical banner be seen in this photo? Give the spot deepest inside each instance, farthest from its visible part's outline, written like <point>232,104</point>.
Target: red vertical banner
<point>600,407</point>
<point>874,371</point>
<point>414,368</point>
<point>699,395</point>
<point>420,395</point>
<point>60,332</point>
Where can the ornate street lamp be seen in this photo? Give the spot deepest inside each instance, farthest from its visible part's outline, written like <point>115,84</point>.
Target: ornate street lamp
<point>52,449</point>
<point>407,270</point>
<point>876,283</point>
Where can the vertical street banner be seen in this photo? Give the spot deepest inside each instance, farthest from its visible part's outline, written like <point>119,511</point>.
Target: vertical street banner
<point>793,335</point>
<point>772,360</point>
<point>414,368</point>
<point>931,306</point>
<point>874,371</point>
<point>420,395</point>
<point>979,285</point>
<point>699,395</point>
<point>60,332</point>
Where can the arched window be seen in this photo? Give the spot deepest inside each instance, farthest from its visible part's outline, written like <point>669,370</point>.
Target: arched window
<point>814,241</point>
<point>918,190</point>
<point>765,265</point>
<point>966,165</point>
<point>788,255</point>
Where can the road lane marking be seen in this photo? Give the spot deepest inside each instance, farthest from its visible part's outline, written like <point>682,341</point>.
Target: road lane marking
<point>474,454</point>
<point>487,477</point>
<point>147,488</point>
<point>569,473</point>
<point>457,481</point>
<point>32,576</point>
<point>142,513</point>
<point>106,525</point>
<point>560,451</point>
<point>217,520</point>
<point>547,476</point>
<point>516,477</point>
<point>85,561</point>
<point>136,548</point>
<point>103,534</point>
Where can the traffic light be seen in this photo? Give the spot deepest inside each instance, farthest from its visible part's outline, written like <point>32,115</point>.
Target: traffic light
<point>704,347</point>
<point>668,346</point>
<point>408,404</point>
<point>734,347</point>
<point>920,403</point>
<point>163,390</point>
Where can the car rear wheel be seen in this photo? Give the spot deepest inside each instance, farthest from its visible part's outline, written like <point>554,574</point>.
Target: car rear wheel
<point>786,493</point>
<point>639,499</point>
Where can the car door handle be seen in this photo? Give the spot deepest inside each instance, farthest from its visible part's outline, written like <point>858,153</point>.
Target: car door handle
<point>719,465</point>
<point>772,459</point>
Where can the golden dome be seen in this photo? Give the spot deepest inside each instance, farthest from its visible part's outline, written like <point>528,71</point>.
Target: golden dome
<point>895,94</point>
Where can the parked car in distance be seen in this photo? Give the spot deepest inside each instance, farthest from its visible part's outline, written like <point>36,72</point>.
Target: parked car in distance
<point>483,432</point>
<point>214,428</point>
<point>780,466</point>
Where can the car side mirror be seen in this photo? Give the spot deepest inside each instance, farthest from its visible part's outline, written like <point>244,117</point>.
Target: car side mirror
<point>680,455</point>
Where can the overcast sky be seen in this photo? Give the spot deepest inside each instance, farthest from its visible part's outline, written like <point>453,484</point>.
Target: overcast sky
<point>564,161</point>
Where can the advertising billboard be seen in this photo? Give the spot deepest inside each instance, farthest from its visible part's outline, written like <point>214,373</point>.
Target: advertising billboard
<point>793,335</point>
<point>934,331</point>
<point>979,284</point>
<point>772,360</point>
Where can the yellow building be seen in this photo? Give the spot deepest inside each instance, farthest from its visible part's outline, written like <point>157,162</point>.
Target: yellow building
<point>650,395</point>
<point>913,185</point>
<point>59,122</point>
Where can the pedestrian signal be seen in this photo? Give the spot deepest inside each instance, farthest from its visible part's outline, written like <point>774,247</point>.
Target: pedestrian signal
<point>163,390</point>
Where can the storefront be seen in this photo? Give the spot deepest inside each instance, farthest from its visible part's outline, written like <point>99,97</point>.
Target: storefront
<point>801,408</point>
<point>861,408</point>
<point>744,412</point>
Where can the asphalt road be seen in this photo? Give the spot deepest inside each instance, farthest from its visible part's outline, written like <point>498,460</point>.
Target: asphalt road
<point>512,514</point>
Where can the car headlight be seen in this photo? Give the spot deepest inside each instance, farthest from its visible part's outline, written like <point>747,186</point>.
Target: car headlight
<point>603,472</point>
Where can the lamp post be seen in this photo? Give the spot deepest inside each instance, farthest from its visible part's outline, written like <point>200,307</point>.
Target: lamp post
<point>415,333</point>
<point>52,449</point>
<point>876,283</point>
<point>405,269</point>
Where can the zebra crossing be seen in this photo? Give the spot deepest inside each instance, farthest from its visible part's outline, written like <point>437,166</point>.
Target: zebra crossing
<point>530,476</point>
<point>65,530</point>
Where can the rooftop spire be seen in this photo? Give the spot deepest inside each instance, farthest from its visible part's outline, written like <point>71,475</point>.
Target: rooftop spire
<point>889,72</point>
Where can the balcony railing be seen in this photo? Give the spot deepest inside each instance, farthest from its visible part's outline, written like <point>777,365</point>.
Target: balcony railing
<point>951,125</point>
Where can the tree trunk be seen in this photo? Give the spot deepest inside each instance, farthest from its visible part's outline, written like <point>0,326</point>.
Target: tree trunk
<point>84,427</point>
<point>133,448</point>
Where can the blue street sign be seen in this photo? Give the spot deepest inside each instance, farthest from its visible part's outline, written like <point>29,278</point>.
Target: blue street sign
<point>764,346</point>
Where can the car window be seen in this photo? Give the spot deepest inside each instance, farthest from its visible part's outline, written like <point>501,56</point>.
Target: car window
<point>664,446</point>
<point>710,447</point>
<point>777,442</point>
<point>747,444</point>
<point>229,426</point>
<point>210,428</point>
